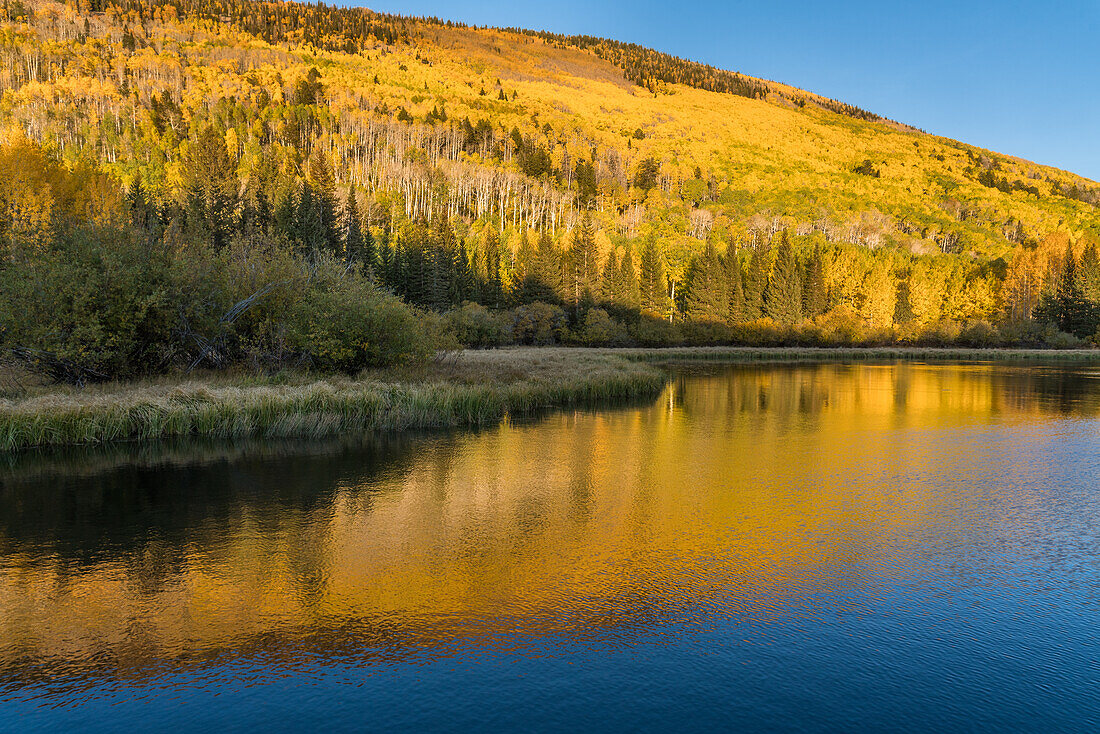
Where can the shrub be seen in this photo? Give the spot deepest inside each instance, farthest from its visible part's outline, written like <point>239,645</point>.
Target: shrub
<point>979,334</point>
<point>539,324</point>
<point>99,300</point>
<point>348,324</point>
<point>476,326</point>
<point>600,330</point>
<point>653,332</point>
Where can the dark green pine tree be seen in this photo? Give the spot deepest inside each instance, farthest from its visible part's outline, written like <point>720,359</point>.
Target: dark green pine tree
<point>1067,306</point>
<point>705,296</point>
<point>756,280</point>
<point>523,270</point>
<point>438,268</point>
<point>492,292</point>
<point>609,280</point>
<point>652,285</point>
<point>814,296</point>
<point>464,285</point>
<point>210,187</point>
<point>584,263</point>
<point>630,295</point>
<point>783,296</point>
<point>324,191</point>
<point>734,286</point>
<point>286,218</point>
<point>1089,272</point>
<point>356,244</point>
<point>544,279</point>
<point>143,212</point>
<point>308,230</point>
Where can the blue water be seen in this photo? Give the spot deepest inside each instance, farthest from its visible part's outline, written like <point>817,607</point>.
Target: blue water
<point>816,548</point>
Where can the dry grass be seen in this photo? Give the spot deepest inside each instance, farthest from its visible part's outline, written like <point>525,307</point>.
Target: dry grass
<point>468,389</point>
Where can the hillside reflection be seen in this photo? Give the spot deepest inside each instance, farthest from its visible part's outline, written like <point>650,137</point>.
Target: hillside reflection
<point>738,492</point>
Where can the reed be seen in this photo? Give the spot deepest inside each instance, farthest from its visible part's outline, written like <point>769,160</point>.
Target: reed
<point>470,389</point>
<point>857,354</point>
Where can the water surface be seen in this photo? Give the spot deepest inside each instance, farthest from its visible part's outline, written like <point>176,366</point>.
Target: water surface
<point>763,548</point>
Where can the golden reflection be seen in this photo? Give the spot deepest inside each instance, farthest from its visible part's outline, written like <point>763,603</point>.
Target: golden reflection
<point>737,492</point>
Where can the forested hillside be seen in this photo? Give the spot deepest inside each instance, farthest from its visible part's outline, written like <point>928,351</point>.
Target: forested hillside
<point>530,186</point>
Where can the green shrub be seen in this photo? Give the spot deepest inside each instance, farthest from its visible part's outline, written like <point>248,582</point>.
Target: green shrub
<point>654,332</point>
<point>476,326</point>
<point>600,330</point>
<point>100,300</point>
<point>342,322</point>
<point>539,324</point>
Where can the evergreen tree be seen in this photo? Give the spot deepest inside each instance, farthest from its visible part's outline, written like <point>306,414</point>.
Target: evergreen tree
<point>756,279</point>
<point>323,184</point>
<point>1089,272</point>
<point>1067,306</point>
<point>463,283</point>
<point>355,243</point>
<point>628,281</point>
<point>783,297</point>
<point>609,280</point>
<point>734,286</point>
<point>544,282</point>
<point>524,271</point>
<point>492,293</point>
<point>143,212</point>
<point>653,286</point>
<point>814,296</point>
<point>210,186</point>
<point>309,229</point>
<point>583,264</point>
<point>705,295</point>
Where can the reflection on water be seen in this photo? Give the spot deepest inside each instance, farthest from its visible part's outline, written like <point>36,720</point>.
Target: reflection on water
<point>805,520</point>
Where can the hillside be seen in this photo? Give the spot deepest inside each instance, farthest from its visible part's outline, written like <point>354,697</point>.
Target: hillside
<point>224,119</point>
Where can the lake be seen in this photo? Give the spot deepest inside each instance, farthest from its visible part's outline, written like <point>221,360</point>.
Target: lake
<point>898,547</point>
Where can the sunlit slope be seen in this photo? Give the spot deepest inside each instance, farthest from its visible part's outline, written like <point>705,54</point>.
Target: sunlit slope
<point>729,164</point>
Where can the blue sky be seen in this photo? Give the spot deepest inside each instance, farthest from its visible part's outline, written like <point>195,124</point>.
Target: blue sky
<point>1019,78</point>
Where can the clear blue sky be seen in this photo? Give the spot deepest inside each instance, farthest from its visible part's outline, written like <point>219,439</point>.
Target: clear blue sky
<point>1021,78</point>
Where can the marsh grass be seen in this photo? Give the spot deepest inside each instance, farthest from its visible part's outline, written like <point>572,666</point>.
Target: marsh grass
<point>470,388</point>
<point>467,389</point>
<point>856,354</point>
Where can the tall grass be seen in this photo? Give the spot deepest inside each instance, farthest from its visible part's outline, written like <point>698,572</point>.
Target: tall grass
<point>855,354</point>
<point>473,389</point>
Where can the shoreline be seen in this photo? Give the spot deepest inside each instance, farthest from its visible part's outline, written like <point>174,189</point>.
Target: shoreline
<point>465,389</point>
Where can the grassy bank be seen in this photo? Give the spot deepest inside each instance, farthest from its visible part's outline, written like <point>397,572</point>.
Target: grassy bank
<point>856,354</point>
<point>470,388</point>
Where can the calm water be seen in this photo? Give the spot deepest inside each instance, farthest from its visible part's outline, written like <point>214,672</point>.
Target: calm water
<point>896,547</point>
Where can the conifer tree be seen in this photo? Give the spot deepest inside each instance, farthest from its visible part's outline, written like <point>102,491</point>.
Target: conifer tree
<point>705,296</point>
<point>492,292</point>
<point>210,186</point>
<point>524,270</point>
<point>756,280</point>
<point>734,286</point>
<point>783,296</point>
<point>609,279</point>
<point>1089,272</point>
<point>355,243</point>
<point>583,263</point>
<point>628,281</point>
<point>323,184</point>
<point>1067,306</point>
<point>814,296</point>
<point>309,229</point>
<point>545,281</point>
<point>652,284</point>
